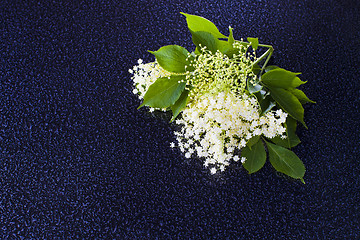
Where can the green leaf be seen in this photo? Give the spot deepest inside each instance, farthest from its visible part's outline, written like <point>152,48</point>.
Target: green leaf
<point>164,92</point>
<point>254,42</point>
<point>231,51</point>
<point>180,104</point>
<point>267,104</point>
<point>300,95</point>
<point>271,67</point>
<point>224,46</point>
<point>231,39</point>
<point>252,141</point>
<point>292,139</point>
<point>289,103</point>
<point>265,100</point>
<point>172,58</point>
<point>205,39</point>
<point>197,23</point>
<point>281,78</point>
<point>286,161</point>
<point>197,51</point>
<point>260,95</point>
<point>255,157</point>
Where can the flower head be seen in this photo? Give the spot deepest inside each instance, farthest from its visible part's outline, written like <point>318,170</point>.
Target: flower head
<point>221,116</point>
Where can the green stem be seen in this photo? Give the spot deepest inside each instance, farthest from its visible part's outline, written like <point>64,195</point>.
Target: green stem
<point>268,53</point>
<point>271,50</point>
<point>264,45</point>
<point>262,57</point>
<point>260,45</point>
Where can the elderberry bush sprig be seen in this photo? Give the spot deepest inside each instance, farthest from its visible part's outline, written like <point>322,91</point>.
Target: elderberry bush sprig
<point>230,105</point>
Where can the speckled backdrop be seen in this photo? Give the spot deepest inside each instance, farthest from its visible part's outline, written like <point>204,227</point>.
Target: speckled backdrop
<point>78,161</point>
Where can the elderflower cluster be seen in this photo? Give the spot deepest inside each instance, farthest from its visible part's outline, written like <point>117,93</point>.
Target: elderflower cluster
<point>220,117</point>
<point>220,124</point>
<point>216,72</point>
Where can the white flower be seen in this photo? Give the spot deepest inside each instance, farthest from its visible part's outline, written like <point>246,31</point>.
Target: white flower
<point>243,143</point>
<point>213,170</point>
<point>230,149</point>
<point>172,145</point>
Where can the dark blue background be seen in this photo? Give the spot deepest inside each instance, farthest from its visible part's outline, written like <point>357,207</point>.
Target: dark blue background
<point>77,160</point>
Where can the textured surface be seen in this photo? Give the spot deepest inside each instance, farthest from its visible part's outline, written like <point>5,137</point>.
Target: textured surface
<point>77,160</point>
